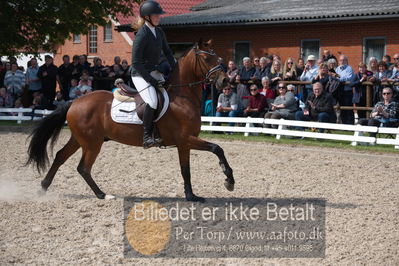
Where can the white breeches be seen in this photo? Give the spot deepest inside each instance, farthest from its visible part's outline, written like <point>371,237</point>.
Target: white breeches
<point>147,92</point>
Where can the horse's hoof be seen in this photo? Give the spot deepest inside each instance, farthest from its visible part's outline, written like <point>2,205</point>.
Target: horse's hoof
<point>192,197</point>
<point>109,197</point>
<point>229,186</point>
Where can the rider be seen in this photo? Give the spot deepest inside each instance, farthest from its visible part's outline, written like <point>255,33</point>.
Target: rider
<point>150,43</point>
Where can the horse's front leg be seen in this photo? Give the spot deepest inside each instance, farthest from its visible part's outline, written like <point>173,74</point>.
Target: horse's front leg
<point>184,158</point>
<point>199,144</point>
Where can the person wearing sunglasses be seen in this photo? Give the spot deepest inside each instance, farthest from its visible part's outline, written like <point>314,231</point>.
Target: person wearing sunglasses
<point>227,104</point>
<point>284,106</point>
<point>289,70</point>
<point>257,103</point>
<point>384,113</point>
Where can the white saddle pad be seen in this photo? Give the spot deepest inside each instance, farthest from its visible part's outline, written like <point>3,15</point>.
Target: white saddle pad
<point>125,112</point>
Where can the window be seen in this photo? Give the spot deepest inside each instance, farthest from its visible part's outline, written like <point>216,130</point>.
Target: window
<point>76,38</point>
<point>93,39</point>
<point>108,32</point>
<point>373,47</point>
<point>310,47</point>
<point>241,50</point>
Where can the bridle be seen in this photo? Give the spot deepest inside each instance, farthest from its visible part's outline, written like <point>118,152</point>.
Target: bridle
<point>198,62</point>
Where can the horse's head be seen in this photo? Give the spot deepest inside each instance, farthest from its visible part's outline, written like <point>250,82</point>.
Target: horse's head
<point>207,64</point>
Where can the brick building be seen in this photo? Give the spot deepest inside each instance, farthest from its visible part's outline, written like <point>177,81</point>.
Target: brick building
<point>357,28</point>
<point>289,28</point>
<point>105,42</point>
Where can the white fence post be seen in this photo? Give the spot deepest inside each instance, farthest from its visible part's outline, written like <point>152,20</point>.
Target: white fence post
<point>247,126</point>
<point>397,139</point>
<point>20,115</point>
<point>279,129</point>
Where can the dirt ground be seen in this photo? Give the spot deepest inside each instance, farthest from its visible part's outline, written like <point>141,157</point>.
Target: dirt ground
<point>70,226</point>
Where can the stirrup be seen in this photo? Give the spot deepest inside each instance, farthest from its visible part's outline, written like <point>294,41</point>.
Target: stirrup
<point>151,142</point>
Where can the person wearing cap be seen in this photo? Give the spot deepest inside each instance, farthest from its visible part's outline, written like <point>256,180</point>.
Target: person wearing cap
<point>149,46</point>
<point>309,72</point>
<point>48,74</point>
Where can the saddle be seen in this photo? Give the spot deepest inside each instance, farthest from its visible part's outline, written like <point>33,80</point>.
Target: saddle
<point>130,94</point>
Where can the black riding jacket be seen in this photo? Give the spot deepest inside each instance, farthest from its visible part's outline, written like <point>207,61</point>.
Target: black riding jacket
<point>147,50</point>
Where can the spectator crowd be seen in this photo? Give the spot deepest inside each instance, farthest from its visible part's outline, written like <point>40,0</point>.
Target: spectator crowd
<point>261,87</point>
<point>37,86</point>
<point>270,88</point>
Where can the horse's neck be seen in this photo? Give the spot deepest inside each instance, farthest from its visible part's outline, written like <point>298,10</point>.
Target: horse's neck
<point>181,77</point>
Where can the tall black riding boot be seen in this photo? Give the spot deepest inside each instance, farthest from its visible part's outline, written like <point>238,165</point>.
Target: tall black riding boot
<point>148,118</point>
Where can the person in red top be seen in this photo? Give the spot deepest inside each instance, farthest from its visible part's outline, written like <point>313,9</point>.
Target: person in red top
<point>257,103</point>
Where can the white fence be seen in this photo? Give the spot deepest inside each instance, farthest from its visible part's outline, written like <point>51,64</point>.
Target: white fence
<point>387,136</point>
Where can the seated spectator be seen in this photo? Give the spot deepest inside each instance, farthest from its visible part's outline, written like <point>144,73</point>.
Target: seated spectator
<point>327,55</point>
<point>318,107</point>
<point>284,106</point>
<point>6,99</point>
<point>276,74</point>
<point>372,65</point>
<point>300,66</point>
<point>309,72</point>
<point>227,104</point>
<point>332,65</point>
<point>242,95</point>
<point>257,103</point>
<point>395,65</point>
<point>118,84</point>
<point>289,70</point>
<point>232,71</point>
<point>59,100</point>
<point>14,81</point>
<point>85,78</point>
<point>37,102</point>
<point>384,112</point>
<point>262,71</point>
<point>247,71</point>
<point>85,87</point>
<point>74,91</point>
<point>267,91</point>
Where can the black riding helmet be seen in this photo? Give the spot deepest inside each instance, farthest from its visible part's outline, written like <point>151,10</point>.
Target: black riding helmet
<point>151,8</point>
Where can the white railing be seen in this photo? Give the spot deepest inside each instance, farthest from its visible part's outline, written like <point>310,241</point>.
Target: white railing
<point>284,127</point>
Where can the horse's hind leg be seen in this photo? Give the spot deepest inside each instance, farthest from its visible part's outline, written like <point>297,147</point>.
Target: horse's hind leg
<point>199,144</point>
<point>62,155</point>
<point>89,156</point>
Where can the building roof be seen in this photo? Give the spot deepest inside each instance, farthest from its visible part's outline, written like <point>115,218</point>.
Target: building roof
<point>239,12</point>
<point>171,7</point>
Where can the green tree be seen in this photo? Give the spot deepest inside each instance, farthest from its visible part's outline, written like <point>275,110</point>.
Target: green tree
<point>29,26</point>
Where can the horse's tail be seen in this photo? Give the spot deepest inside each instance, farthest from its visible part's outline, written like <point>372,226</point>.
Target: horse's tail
<point>48,127</point>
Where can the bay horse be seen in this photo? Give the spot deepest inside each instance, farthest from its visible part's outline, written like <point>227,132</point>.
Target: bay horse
<point>90,123</point>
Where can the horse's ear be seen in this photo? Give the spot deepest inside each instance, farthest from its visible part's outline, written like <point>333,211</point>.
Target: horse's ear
<point>196,46</point>
<point>210,42</point>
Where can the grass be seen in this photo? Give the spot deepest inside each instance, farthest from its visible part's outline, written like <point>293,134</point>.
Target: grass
<point>302,142</point>
<point>266,139</point>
